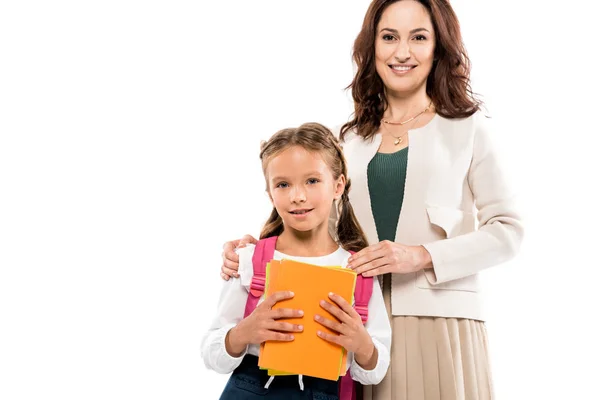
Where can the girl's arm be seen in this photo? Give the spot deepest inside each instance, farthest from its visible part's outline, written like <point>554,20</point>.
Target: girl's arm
<point>378,326</point>
<point>230,311</point>
<point>230,334</point>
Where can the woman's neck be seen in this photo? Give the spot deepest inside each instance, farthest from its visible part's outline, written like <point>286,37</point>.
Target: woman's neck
<point>404,106</point>
<point>314,243</point>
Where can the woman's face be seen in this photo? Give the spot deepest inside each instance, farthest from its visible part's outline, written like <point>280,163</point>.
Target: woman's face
<point>404,47</point>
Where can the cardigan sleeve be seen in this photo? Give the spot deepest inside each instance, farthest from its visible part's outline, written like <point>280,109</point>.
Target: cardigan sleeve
<point>500,230</point>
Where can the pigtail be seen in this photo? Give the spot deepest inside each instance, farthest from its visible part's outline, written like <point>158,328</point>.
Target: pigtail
<point>349,232</point>
<point>273,226</point>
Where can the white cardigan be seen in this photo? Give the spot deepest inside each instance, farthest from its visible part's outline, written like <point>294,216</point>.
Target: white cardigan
<point>453,183</point>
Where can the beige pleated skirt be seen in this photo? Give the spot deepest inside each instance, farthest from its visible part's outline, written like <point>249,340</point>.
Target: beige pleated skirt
<point>434,359</point>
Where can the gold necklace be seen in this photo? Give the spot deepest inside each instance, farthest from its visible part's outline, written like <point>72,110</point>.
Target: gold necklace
<point>408,120</point>
<point>399,138</point>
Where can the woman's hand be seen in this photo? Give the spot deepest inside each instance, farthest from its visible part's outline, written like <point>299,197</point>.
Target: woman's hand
<point>231,261</point>
<point>263,325</point>
<point>352,334</point>
<point>386,256</point>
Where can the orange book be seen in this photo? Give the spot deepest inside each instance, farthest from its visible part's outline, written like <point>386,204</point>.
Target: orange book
<point>307,354</point>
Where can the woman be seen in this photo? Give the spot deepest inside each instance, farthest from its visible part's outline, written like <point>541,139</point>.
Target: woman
<point>424,174</point>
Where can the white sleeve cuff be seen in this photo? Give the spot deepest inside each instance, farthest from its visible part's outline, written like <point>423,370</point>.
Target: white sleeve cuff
<point>216,356</point>
<point>376,375</point>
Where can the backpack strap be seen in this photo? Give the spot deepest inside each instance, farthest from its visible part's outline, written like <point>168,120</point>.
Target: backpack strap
<point>362,295</point>
<point>263,253</point>
<point>347,387</point>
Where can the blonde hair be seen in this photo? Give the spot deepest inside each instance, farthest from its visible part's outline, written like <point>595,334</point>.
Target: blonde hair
<point>316,138</point>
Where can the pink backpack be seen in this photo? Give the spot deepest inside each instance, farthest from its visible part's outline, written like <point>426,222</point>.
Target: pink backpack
<point>263,253</point>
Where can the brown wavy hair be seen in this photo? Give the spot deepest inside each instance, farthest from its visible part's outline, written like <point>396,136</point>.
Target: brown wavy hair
<point>448,83</point>
<point>317,138</point>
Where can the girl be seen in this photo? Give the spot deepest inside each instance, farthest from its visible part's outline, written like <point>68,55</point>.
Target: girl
<point>305,174</point>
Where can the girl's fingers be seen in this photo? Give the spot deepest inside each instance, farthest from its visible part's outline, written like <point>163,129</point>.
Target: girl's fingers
<point>279,313</point>
<point>334,326</point>
<point>342,303</point>
<point>336,339</point>
<point>335,311</point>
<point>285,327</point>
<point>278,337</point>
<point>277,297</point>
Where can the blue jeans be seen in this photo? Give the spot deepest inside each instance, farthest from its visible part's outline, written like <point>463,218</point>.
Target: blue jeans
<point>248,383</point>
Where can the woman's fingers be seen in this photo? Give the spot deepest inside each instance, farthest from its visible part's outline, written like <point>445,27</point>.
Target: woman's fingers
<point>229,247</point>
<point>229,272</point>
<point>370,255</point>
<point>246,239</point>
<point>230,258</point>
<point>231,261</point>
<point>371,265</point>
<point>380,271</point>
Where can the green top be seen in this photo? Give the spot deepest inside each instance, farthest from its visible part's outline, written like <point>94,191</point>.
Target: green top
<point>386,175</point>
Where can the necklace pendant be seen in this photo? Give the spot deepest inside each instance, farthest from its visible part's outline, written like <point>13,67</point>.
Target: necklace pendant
<point>398,141</point>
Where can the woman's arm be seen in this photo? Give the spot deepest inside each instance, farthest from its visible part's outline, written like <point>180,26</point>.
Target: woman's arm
<point>497,239</point>
<point>500,231</point>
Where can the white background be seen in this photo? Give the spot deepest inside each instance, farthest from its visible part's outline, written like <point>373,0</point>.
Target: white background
<point>129,153</point>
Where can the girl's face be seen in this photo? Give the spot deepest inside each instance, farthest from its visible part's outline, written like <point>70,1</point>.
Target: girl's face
<point>404,47</point>
<point>302,188</point>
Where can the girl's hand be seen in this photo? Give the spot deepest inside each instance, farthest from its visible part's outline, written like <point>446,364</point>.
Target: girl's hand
<point>231,261</point>
<point>263,325</point>
<point>352,334</point>
<point>386,256</point>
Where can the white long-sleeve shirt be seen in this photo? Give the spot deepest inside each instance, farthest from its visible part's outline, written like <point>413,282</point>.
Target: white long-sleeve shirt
<point>232,303</point>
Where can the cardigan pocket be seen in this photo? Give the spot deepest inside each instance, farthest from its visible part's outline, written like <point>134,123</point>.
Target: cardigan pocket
<point>453,222</point>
